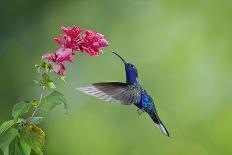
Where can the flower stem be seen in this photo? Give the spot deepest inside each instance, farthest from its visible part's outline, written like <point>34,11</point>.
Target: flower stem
<point>40,99</point>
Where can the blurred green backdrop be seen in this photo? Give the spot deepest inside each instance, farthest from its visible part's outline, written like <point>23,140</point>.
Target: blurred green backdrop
<point>182,50</point>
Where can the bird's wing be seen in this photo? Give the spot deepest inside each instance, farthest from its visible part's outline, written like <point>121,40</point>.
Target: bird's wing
<point>113,92</point>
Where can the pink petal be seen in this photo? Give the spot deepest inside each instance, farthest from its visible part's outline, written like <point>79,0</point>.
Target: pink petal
<point>88,32</point>
<point>96,44</point>
<point>64,54</point>
<point>72,32</point>
<point>62,70</point>
<point>103,43</point>
<point>49,56</point>
<point>99,35</point>
<point>56,67</point>
<point>64,29</point>
<point>91,51</point>
<point>58,41</point>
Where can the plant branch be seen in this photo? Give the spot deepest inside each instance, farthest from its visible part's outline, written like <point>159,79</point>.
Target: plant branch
<point>40,99</point>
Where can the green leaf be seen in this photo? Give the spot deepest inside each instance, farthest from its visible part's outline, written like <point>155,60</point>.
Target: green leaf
<point>63,78</point>
<point>51,84</point>
<point>34,120</point>
<point>42,83</point>
<point>34,137</point>
<point>20,108</point>
<point>35,102</point>
<point>6,125</point>
<point>52,100</point>
<point>46,65</point>
<point>6,140</point>
<point>25,147</point>
<point>17,147</point>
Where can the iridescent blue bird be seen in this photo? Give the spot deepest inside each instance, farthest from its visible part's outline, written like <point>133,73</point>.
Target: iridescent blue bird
<point>127,93</point>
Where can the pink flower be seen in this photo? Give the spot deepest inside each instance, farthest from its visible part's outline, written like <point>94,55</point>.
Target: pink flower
<point>74,39</point>
<point>71,38</point>
<point>92,42</point>
<point>89,42</point>
<point>73,32</point>
<point>56,60</point>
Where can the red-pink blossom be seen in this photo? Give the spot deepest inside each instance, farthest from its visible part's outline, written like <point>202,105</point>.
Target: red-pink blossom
<point>71,39</point>
<point>74,39</point>
<point>88,41</point>
<point>92,42</point>
<point>73,32</point>
<point>56,60</point>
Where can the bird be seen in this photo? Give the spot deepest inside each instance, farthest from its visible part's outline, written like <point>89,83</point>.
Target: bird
<point>130,92</point>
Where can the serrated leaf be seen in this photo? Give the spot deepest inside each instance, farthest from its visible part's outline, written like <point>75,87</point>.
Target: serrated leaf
<point>34,137</point>
<point>6,125</point>
<point>7,139</point>
<point>52,100</point>
<point>20,108</point>
<point>34,120</point>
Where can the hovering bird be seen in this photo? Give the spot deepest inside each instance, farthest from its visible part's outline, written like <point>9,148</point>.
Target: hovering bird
<point>128,93</point>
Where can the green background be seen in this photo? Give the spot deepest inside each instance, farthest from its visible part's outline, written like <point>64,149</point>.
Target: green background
<point>182,50</point>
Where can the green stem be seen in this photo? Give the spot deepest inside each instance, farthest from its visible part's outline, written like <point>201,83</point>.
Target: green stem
<point>40,99</point>
<point>42,93</point>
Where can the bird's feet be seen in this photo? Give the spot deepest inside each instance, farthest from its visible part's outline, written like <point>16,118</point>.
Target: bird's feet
<point>140,111</point>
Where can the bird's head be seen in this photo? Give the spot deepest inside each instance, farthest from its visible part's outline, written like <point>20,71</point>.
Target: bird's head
<point>131,71</point>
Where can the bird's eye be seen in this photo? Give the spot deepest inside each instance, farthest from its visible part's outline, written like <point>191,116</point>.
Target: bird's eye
<point>132,65</point>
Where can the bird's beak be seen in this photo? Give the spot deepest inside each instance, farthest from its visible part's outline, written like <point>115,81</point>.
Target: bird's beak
<point>124,61</point>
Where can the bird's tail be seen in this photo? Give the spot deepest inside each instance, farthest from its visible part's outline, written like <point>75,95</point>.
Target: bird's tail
<point>160,124</point>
